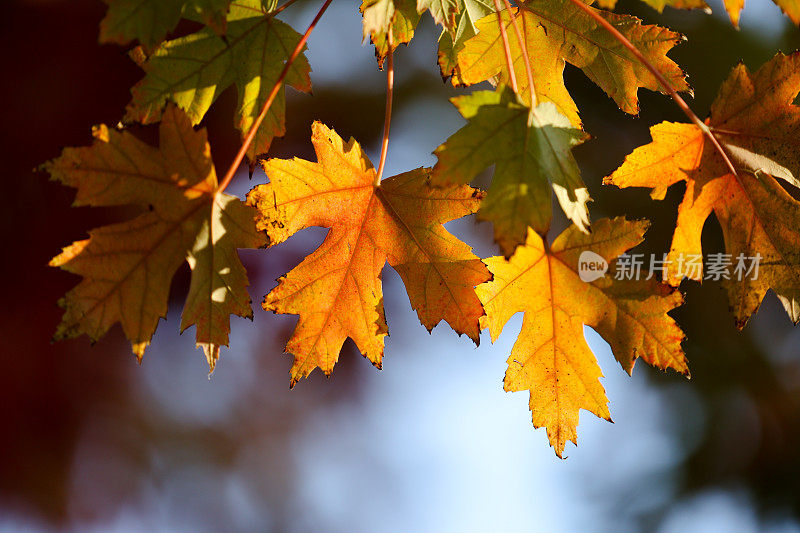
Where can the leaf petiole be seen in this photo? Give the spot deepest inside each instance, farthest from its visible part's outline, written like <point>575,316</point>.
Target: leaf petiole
<point>528,70</point>
<point>271,98</point>
<point>661,80</point>
<point>506,47</point>
<point>388,116</point>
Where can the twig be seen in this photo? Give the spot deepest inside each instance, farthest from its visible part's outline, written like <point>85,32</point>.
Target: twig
<point>388,116</point>
<point>509,59</point>
<point>661,80</point>
<point>268,103</point>
<point>528,70</point>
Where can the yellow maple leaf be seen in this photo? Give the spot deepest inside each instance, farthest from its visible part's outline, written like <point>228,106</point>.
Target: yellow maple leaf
<point>127,268</point>
<point>659,5</point>
<point>790,7</point>
<point>556,32</point>
<point>759,128</point>
<point>337,289</point>
<point>550,358</point>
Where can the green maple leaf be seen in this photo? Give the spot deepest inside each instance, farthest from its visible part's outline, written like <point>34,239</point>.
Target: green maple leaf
<point>193,71</point>
<point>442,11</point>
<point>149,21</point>
<point>531,151</point>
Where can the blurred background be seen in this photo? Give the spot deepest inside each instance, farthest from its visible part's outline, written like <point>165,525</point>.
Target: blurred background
<point>92,442</point>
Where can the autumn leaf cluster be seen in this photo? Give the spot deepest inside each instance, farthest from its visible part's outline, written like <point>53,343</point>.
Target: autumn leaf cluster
<point>740,164</point>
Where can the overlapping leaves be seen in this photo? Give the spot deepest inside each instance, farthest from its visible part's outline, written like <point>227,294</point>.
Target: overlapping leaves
<point>400,18</point>
<point>194,70</point>
<point>556,32</point>
<point>127,268</point>
<point>452,42</point>
<point>531,151</point>
<point>527,136</point>
<point>759,128</point>
<point>149,21</point>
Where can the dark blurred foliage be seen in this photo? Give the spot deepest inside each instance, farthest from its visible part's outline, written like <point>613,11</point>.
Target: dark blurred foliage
<point>737,420</point>
<point>58,83</point>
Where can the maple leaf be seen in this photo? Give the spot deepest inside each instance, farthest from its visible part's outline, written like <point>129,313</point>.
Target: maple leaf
<point>659,5</point>
<point>193,71</point>
<point>381,16</point>
<point>790,7</point>
<point>555,32</point>
<point>452,42</point>
<point>127,268</point>
<point>759,128</point>
<point>550,357</point>
<point>401,18</point>
<point>442,11</point>
<point>149,21</point>
<point>337,289</point>
<point>531,151</point>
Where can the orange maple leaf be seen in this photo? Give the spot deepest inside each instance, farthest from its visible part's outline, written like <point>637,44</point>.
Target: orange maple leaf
<point>759,129</point>
<point>337,289</point>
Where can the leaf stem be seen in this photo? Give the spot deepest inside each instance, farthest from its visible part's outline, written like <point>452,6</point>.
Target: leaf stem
<point>524,48</point>
<point>271,98</point>
<point>388,115</point>
<point>661,80</point>
<point>282,7</point>
<point>509,60</point>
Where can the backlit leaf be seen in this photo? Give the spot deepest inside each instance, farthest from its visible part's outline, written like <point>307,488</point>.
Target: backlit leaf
<point>555,32</point>
<point>550,357</point>
<point>127,268</point>
<point>193,71</point>
<point>337,289</point>
<point>532,153</point>
<point>759,127</point>
<point>149,21</point>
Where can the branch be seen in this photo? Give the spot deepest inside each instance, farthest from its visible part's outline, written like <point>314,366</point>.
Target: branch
<point>661,80</point>
<point>271,98</point>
